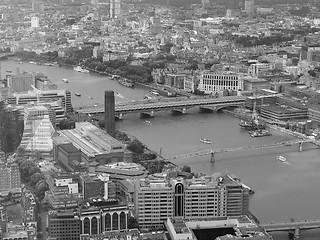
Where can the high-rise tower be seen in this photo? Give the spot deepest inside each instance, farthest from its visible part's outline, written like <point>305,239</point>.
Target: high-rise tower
<point>249,7</point>
<point>109,108</point>
<point>115,8</point>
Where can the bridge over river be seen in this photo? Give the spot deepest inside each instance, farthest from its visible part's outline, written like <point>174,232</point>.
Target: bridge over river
<point>213,151</point>
<point>179,105</point>
<point>293,227</point>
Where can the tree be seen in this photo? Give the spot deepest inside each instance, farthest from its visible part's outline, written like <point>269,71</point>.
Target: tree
<point>67,124</point>
<point>186,169</point>
<point>35,178</point>
<point>41,190</point>
<point>136,146</point>
<point>102,124</point>
<point>132,223</point>
<point>27,169</point>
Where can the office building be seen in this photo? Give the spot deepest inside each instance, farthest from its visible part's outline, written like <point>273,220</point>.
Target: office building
<point>35,22</point>
<point>215,82</point>
<point>64,225</point>
<point>9,177</point>
<point>38,129</point>
<point>37,6</point>
<point>249,7</point>
<point>257,69</point>
<point>234,228</point>
<point>95,218</point>
<point>94,2</point>
<point>61,96</point>
<point>21,82</point>
<point>109,116</point>
<point>11,128</point>
<point>196,198</point>
<point>97,186</point>
<point>115,9</point>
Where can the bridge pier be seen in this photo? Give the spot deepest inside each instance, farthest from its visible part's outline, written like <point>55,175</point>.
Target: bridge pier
<point>212,156</point>
<point>300,146</point>
<point>149,114</point>
<point>181,110</point>
<point>295,234</point>
<point>121,115</point>
<point>207,108</point>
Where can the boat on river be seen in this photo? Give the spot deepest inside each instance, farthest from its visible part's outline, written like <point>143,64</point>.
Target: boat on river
<point>80,69</point>
<point>77,94</point>
<point>65,80</point>
<point>148,122</point>
<point>126,83</point>
<point>259,133</point>
<point>281,159</point>
<point>204,140</point>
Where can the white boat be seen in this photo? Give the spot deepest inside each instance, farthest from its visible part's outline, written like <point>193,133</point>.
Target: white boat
<point>281,159</point>
<point>65,80</point>
<point>207,141</point>
<point>155,93</point>
<point>77,94</point>
<point>80,69</point>
<point>148,122</point>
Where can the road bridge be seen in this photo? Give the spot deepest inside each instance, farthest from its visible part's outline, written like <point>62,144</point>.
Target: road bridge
<point>293,227</point>
<point>213,151</point>
<point>7,54</point>
<point>180,105</point>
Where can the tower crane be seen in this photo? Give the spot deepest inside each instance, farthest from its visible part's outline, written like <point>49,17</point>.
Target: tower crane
<point>37,91</point>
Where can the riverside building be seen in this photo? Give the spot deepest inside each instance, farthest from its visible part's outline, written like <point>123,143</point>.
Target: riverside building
<point>215,82</point>
<point>197,198</point>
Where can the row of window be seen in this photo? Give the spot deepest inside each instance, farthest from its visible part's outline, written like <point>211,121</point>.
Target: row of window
<point>221,77</point>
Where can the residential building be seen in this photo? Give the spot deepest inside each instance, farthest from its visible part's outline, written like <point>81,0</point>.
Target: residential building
<point>133,234</point>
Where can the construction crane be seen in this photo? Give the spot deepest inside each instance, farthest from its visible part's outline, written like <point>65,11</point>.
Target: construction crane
<point>37,91</point>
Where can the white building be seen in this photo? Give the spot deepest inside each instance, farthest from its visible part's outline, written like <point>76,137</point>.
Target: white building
<point>257,69</point>
<point>35,22</point>
<point>38,129</point>
<point>249,7</point>
<point>115,8</point>
<point>215,82</point>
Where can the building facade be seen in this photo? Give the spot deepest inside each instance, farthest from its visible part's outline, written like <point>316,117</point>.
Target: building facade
<point>197,198</point>
<point>38,129</point>
<point>215,82</point>
<point>9,177</point>
<point>88,221</point>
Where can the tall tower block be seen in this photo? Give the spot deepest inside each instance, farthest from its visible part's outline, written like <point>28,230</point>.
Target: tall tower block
<point>109,116</point>
<point>115,8</point>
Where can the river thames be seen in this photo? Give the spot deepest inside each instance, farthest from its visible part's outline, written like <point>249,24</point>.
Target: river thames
<point>283,191</point>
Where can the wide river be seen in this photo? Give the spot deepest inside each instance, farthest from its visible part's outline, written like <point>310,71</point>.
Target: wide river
<point>283,191</point>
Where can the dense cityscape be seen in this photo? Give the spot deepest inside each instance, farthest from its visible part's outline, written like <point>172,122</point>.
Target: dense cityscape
<point>69,172</point>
